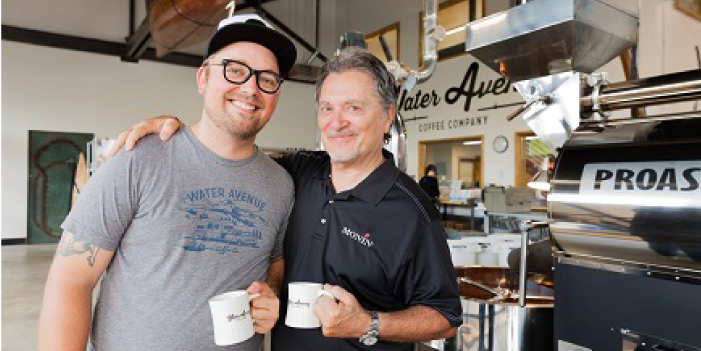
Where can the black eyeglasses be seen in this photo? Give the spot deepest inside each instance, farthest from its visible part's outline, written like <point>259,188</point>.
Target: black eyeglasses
<point>236,72</point>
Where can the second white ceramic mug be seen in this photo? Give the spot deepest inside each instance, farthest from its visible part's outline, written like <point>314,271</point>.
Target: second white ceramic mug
<point>302,297</point>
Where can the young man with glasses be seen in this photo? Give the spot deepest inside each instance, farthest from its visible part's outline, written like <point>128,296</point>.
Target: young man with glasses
<point>172,225</point>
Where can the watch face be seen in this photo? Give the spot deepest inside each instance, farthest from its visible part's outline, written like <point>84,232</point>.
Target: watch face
<point>500,144</point>
<point>369,340</point>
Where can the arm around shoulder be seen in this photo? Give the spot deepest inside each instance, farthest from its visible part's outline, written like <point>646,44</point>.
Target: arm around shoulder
<point>66,313</point>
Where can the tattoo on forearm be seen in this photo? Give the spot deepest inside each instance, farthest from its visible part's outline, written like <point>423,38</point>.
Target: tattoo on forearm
<point>73,247</point>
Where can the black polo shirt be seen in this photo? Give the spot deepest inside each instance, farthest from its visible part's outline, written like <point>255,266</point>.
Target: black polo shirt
<point>382,241</point>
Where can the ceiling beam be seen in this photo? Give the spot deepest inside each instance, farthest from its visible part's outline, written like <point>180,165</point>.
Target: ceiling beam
<point>132,16</point>
<point>137,43</point>
<point>95,46</point>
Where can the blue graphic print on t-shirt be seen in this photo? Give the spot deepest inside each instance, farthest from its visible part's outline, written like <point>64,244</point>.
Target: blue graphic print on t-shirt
<point>225,221</point>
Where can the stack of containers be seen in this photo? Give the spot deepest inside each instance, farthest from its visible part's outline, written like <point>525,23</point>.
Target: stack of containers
<point>488,250</point>
<point>465,251</point>
<point>502,244</point>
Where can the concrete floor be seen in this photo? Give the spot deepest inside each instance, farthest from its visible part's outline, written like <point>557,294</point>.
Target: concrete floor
<point>24,271</point>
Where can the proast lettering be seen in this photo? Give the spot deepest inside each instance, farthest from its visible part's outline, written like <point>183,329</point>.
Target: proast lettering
<point>648,179</point>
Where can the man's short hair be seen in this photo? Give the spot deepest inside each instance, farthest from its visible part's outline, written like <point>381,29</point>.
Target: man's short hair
<point>355,58</point>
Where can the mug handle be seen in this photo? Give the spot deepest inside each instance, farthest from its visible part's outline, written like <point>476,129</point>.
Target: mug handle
<point>251,297</point>
<point>323,292</point>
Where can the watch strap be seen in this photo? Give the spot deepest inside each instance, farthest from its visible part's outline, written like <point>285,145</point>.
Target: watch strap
<point>371,337</point>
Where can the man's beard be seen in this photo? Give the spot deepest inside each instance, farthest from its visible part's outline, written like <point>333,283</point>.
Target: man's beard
<point>236,127</point>
<point>340,156</point>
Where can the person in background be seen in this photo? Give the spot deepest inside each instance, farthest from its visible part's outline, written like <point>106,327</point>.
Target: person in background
<point>360,225</point>
<point>173,224</point>
<point>429,183</point>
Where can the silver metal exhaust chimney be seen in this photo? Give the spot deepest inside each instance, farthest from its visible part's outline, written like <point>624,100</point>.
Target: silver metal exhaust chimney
<point>433,33</point>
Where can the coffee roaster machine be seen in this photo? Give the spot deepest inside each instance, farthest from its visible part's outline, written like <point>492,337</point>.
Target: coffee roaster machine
<point>625,201</point>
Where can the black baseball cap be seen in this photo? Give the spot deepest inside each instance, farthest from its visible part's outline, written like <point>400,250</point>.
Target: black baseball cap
<point>252,28</point>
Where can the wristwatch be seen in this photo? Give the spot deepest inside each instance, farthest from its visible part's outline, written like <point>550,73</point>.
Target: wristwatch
<point>370,338</point>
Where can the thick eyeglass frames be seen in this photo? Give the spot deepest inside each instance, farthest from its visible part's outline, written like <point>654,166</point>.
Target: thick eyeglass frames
<point>236,72</point>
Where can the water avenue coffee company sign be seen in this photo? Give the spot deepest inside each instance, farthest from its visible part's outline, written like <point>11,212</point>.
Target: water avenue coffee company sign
<point>470,88</point>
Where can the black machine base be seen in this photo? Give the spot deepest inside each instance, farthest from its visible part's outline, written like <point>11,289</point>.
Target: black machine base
<point>603,310</point>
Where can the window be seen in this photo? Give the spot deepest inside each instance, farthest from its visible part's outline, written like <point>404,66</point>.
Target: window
<point>530,152</point>
<point>391,36</point>
<point>452,15</point>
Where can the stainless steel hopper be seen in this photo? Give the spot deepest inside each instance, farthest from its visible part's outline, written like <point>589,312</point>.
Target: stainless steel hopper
<point>547,48</point>
<point>546,37</point>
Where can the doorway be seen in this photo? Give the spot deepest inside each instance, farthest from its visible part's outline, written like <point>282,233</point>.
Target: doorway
<point>457,159</point>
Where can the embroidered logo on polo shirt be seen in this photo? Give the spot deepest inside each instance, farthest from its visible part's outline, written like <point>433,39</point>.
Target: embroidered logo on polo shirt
<point>363,239</point>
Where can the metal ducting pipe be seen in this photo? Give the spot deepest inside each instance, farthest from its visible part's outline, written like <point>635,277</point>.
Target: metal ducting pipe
<point>432,35</point>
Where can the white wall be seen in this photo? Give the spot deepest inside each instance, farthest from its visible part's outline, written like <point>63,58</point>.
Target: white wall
<point>98,19</point>
<point>68,91</point>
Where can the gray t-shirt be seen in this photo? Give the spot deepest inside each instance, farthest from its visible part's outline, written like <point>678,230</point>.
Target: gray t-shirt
<point>185,225</point>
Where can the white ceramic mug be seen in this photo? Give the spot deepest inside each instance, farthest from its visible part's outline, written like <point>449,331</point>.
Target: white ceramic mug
<point>231,315</point>
<point>300,304</point>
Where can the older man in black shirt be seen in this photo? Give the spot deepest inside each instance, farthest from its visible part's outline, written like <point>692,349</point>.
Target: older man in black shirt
<point>363,227</point>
